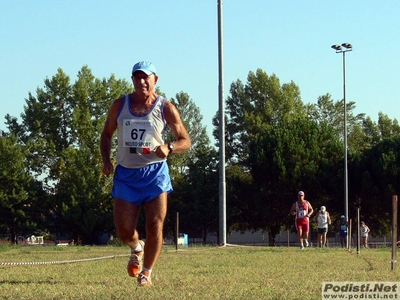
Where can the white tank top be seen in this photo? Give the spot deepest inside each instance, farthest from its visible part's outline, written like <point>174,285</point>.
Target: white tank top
<point>322,220</point>
<point>364,231</point>
<point>138,136</point>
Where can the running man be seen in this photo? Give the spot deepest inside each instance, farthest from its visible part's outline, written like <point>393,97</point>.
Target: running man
<point>364,231</point>
<point>323,220</point>
<point>303,210</point>
<point>141,178</point>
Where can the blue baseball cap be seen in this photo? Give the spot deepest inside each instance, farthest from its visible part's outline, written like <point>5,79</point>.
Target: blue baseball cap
<point>144,66</point>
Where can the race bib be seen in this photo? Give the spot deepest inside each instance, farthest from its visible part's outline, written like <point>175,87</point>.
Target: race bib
<point>138,134</point>
<point>302,213</point>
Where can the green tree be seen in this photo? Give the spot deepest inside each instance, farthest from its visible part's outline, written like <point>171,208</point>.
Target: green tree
<point>300,154</point>
<point>378,174</point>
<point>198,193</point>
<point>191,118</point>
<point>83,205</point>
<point>15,182</point>
<point>326,110</point>
<point>371,131</point>
<point>240,207</point>
<point>61,127</point>
<point>194,176</point>
<point>253,111</point>
<point>388,128</point>
<point>263,101</point>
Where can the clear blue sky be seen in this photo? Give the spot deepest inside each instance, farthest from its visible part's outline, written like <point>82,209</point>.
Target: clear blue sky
<point>291,39</point>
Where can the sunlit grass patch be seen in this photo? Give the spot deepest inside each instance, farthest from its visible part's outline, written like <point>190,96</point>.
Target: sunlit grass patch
<point>189,273</point>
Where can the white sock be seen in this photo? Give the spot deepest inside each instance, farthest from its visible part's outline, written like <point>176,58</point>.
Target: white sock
<point>139,248</point>
<point>144,269</point>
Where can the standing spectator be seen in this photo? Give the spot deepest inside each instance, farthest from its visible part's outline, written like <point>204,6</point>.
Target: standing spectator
<point>323,220</point>
<point>364,231</point>
<point>342,228</point>
<point>303,210</point>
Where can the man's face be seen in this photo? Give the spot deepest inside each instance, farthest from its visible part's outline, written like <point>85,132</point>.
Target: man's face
<point>144,84</point>
<point>301,197</point>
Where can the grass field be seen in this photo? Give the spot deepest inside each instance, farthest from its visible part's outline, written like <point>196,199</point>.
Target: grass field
<point>189,273</point>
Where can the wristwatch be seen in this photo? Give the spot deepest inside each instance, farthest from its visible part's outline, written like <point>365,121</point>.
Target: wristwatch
<point>170,147</point>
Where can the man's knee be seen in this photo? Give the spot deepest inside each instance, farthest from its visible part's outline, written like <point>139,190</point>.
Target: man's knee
<point>155,224</point>
<point>126,234</point>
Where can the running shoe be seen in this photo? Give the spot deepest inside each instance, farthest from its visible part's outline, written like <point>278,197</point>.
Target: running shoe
<point>144,278</point>
<point>135,262</point>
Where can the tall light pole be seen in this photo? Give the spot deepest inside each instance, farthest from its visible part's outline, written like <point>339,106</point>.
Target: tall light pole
<point>345,47</point>
<point>221,115</point>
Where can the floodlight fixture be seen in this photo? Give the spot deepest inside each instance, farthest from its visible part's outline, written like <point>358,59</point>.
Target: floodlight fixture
<point>347,46</point>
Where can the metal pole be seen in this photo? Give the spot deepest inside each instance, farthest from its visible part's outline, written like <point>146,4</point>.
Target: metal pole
<point>345,47</point>
<point>346,194</point>
<point>349,233</point>
<point>222,183</point>
<point>394,232</point>
<point>177,231</point>
<point>358,230</point>
<point>288,237</point>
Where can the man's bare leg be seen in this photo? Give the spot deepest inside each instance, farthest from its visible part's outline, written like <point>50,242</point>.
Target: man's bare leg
<point>300,234</point>
<point>305,237</point>
<point>125,219</point>
<point>156,211</point>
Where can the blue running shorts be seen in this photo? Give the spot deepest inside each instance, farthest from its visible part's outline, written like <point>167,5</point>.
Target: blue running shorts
<point>141,185</point>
